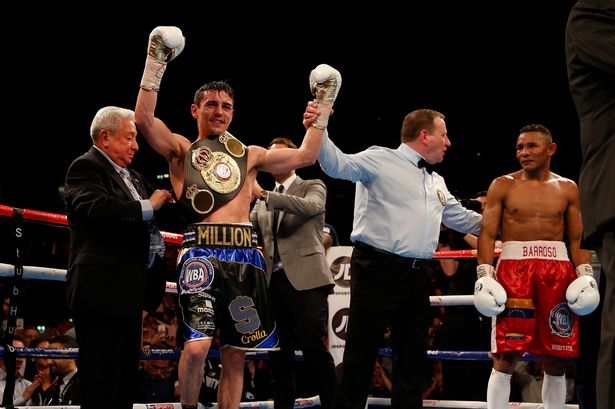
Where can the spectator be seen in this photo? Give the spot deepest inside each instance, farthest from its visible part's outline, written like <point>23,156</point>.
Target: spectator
<point>290,222</point>
<point>67,389</point>
<point>24,389</point>
<point>256,381</point>
<point>381,385</point>
<point>155,383</point>
<point>40,367</point>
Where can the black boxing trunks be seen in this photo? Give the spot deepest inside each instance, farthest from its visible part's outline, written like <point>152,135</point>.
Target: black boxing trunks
<point>215,170</point>
<point>221,283</point>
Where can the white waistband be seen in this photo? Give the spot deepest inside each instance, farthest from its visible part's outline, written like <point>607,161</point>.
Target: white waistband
<point>539,249</point>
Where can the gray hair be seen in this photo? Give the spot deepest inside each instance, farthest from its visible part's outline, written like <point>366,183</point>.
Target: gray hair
<point>109,118</point>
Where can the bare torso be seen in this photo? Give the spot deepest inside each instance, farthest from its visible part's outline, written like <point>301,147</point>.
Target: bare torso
<point>534,209</point>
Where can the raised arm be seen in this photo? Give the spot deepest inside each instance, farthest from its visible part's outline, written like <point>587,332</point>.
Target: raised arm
<point>325,82</point>
<point>165,43</point>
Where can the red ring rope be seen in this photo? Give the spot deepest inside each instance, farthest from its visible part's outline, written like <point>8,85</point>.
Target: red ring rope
<point>175,238</point>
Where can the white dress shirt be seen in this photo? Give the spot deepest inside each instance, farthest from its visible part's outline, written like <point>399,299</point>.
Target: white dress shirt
<point>146,206</point>
<point>157,245</point>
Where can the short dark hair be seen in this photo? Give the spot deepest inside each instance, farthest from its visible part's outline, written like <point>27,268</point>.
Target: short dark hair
<point>214,86</point>
<point>537,128</point>
<point>283,141</point>
<point>66,340</point>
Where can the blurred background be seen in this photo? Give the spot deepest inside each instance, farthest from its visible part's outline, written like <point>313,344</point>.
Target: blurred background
<point>489,67</point>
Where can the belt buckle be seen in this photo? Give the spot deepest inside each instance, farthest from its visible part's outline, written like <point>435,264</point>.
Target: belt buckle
<point>417,264</point>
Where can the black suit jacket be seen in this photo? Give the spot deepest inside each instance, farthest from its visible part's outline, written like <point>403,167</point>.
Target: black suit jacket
<point>71,395</point>
<point>590,57</point>
<point>109,240</point>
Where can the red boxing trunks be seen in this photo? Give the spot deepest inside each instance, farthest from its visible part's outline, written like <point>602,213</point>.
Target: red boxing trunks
<point>537,319</point>
<point>221,283</point>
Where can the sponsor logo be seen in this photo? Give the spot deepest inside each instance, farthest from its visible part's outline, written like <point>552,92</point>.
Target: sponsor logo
<point>340,270</point>
<point>441,197</point>
<point>197,273</point>
<point>560,320</point>
<point>339,322</point>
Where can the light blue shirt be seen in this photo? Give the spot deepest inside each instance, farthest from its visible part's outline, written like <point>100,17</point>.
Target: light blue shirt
<point>21,385</point>
<point>398,207</point>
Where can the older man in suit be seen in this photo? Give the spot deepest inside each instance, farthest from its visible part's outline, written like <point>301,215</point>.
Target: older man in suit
<point>290,223</point>
<point>114,244</point>
<point>590,57</point>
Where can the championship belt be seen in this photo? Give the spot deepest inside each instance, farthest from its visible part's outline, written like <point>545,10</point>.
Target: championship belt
<point>215,170</point>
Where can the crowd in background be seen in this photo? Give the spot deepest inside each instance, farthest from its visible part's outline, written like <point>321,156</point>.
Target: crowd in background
<point>452,328</point>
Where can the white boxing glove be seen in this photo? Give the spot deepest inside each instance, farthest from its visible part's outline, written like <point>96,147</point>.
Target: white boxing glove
<point>582,294</point>
<point>489,295</point>
<point>325,84</point>
<point>165,43</point>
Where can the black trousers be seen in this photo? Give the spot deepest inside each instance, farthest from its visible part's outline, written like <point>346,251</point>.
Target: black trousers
<point>301,323</point>
<point>385,290</point>
<point>605,381</point>
<point>108,359</point>
<point>589,345</point>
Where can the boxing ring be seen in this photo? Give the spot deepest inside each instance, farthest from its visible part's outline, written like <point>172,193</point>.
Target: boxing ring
<point>19,272</point>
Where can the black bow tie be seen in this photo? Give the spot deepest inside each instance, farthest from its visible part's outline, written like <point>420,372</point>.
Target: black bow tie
<point>423,164</point>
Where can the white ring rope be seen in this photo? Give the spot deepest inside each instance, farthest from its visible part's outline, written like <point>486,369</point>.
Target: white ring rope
<point>53,274</point>
<point>57,274</point>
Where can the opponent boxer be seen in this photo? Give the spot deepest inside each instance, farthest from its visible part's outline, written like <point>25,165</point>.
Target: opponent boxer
<point>537,293</point>
<point>221,279</point>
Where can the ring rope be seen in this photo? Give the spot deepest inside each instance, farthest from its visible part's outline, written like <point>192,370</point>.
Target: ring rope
<point>175,238</point>
<point>169,353</point>
<point>53,274</point>
<point>58,274</point>
<point>315,402</point>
